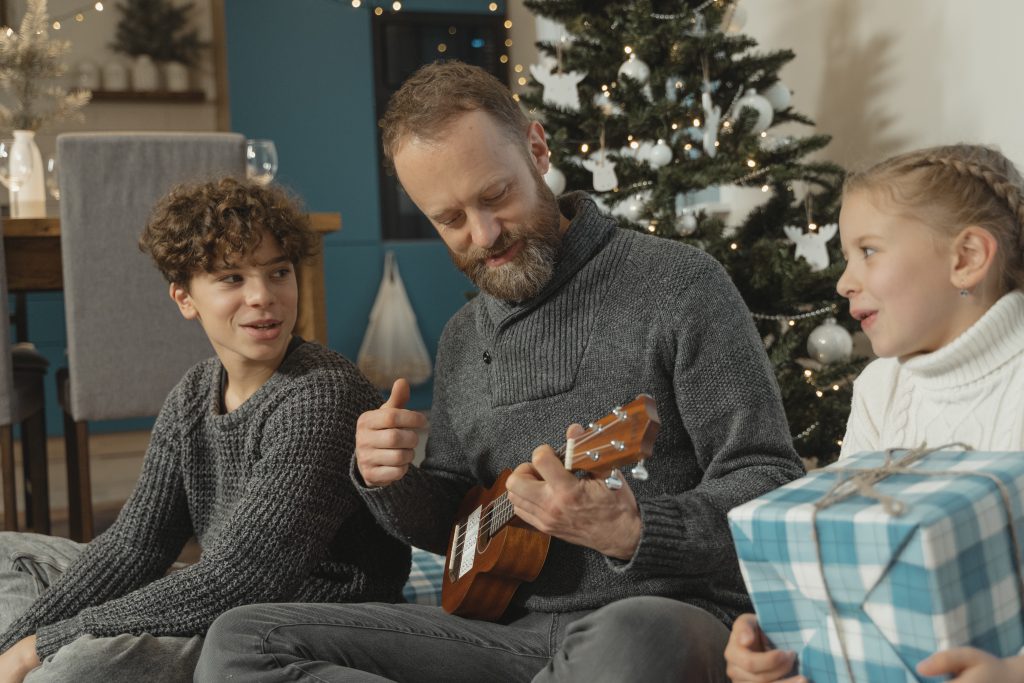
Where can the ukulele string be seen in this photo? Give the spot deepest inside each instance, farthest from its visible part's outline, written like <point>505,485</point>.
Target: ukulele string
<point>491,508</point>
<point>501,504</point>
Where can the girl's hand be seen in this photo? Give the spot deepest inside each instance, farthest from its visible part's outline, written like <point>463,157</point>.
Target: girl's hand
<point>971,665</point>
<point>18,660</point>
<point>749,658</point>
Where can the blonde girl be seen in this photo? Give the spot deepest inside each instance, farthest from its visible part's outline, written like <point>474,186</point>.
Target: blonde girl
<point>934,251</point>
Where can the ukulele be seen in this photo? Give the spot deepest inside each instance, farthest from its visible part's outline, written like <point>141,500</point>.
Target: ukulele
<point>491,551</point>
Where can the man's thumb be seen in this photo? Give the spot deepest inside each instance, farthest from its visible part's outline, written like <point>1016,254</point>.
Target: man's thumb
<point>399,394</point>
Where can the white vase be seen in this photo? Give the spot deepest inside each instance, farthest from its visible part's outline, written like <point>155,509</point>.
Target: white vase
<point>115,76</point>
<point>145,75</point>
<point>30,201</point>
<point>176,76</point>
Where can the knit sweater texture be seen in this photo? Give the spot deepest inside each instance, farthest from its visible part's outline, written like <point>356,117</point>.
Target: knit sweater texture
<point>971,390</point>
<point>623,314</point>
<point>264,488</point>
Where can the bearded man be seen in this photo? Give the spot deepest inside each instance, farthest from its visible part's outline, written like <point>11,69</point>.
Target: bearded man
<point>574,316</point>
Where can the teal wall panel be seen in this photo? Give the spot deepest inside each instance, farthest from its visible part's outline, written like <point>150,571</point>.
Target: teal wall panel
<point>301,74</point>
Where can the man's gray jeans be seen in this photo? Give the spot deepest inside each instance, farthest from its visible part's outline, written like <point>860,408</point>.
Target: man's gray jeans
<point>31,563</point>
<point>648,639</point>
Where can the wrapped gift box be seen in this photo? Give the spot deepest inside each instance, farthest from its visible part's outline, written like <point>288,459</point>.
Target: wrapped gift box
<point>942,573</point>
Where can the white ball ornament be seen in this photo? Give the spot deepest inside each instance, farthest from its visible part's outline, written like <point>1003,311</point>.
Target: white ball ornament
<point>686,223</point>
<point>659,155</point>
<point>636,69</point>
<point>759,104</point>
<point>555,180</point>
<point>735,19</point>
<point>778,95</point>
<point>830,343</point>
<point>643,150</point>
<point>631,207</point>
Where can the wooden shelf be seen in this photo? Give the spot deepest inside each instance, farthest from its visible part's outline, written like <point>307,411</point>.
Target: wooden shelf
<point>156,96</point>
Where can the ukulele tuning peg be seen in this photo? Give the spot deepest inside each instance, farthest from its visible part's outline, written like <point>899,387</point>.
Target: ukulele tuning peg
<point>613,482</point>
<point>618,412</point>
<point>639,472</point>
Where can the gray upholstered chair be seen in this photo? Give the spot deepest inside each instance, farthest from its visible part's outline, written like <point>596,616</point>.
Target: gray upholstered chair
<point>21,401</point>
<point>127,344</point>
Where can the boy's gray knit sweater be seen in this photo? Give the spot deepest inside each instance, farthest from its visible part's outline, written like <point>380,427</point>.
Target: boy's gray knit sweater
<point>625,313</point>
<point>266,491</point>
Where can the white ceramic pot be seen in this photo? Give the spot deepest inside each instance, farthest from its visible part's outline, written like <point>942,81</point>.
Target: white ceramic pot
<point>115,76</point>
<point>145,75</point>
<point>176,76</point>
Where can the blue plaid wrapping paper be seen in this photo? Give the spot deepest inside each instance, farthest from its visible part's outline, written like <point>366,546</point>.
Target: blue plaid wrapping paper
<point>940,575</point>
<point>424,584</point>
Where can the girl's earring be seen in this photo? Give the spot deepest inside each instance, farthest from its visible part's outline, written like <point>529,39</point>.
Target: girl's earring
<point>963,291</point>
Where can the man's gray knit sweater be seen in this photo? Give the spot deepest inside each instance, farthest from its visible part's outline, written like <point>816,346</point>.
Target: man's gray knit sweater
<point>264,488</point>
<point>624,314</point>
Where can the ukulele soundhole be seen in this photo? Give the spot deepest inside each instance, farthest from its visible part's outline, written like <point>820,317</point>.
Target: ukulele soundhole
<point>484,536</point>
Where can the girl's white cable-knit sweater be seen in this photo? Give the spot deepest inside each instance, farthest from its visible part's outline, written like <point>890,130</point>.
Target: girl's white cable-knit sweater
<point>971,390</point>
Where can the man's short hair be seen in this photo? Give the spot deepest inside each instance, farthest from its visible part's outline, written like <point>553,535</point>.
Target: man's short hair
<point>437,94</point>
<point>199,227</point>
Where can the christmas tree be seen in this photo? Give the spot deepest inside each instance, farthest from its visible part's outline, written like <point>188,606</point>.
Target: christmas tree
<point>654,106</point>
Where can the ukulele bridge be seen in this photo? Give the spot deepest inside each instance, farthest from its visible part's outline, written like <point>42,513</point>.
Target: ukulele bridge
<point>471,537</point>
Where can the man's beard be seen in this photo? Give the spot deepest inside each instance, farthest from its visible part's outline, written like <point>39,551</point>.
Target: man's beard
<point>523,277</point>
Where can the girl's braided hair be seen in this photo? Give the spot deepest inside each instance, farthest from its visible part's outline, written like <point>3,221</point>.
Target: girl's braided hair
<point>953,186</point>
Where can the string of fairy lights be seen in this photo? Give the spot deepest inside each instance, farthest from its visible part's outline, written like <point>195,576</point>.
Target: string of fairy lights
<point>81,13</point>
<point>78,15</point>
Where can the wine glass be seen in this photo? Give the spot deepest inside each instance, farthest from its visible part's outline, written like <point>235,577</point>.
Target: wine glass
<point>15,169</point>
<point>52,177</point>
<point>260,160</point>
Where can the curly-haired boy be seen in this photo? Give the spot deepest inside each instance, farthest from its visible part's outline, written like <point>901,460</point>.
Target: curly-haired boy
<point>250,454</point>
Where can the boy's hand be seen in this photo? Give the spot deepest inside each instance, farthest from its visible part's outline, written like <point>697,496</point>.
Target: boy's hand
<point>386,438</point>
<point>750,659</point>
<point>19,660</point>
<point>971,665</point>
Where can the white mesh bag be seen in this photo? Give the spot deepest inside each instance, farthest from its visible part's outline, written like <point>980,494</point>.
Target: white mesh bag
<point>393,346</point>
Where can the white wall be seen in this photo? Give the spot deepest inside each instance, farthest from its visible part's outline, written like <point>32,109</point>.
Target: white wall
<point>885,76</point>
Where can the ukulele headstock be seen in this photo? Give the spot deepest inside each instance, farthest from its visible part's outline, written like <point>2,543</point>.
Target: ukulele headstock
<point>625,436</point>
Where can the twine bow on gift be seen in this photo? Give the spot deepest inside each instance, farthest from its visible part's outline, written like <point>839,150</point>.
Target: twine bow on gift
<point>861,481</point>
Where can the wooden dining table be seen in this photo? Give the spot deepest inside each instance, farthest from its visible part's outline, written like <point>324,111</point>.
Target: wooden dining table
<point>32,248</point>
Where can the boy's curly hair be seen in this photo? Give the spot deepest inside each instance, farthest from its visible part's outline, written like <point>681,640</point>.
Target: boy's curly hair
<point>198,227</point>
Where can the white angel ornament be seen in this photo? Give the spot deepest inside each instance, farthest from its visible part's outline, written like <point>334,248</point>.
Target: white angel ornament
<point>603,169</point>
<point>812,246</point>
<point>559,88</point>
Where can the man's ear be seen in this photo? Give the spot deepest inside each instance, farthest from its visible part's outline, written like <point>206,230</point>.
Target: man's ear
<point>179,293</point>
<point>538,146</point>
<point>974,256</point>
